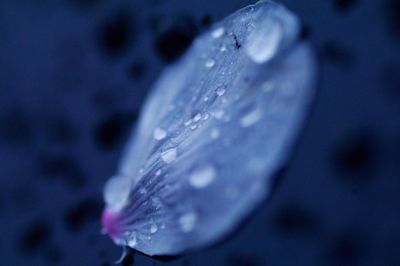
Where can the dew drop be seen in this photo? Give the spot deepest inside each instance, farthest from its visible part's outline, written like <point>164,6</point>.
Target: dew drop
<point>219,114</point>
<point>263,43</point>
<point>202,177</point>
<point>214,133</point>
<point>169,156</point>
<point>210,63</point>
<point>250,118</point>
<point>220,91</point>
<point>159,134</point>
<point>218,32</point>
<point>153,228</point>
<point>187,221</point>
<point>158,172</point>
<point>131,240</point>
<point>197,117</point>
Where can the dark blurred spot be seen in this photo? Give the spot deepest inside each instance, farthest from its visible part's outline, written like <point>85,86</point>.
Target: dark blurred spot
<point>24,197</point>
<point>173,40</point>
<point>53,254</point>
<point>105,99</point>
<point>305,32</point>
<point>83,212</point>
<point>116,34</point>
<point>236,259</point>
<point>390,78</point>
<point>357,155</point>
<point>393,15</point>
<point>206,21</point>
<point>294,220</point>
<point>156,23</point>
<point>59,129</point>
<point>128,260</point>
<point>136,70</point>
<point>110,131</point>
<point>345,249</point>
<point>344,4</point>
<point>15,127</point>
<point>35,237</point>
<point>64,167</point>
<point>337,55</point>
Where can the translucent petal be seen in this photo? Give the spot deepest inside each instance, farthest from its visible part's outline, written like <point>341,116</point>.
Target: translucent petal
<point>216,127</point>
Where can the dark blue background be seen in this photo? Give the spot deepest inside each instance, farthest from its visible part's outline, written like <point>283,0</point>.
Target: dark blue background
<point>73,75</point>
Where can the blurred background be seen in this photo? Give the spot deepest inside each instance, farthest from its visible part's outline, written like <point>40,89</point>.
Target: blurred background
<point>74,74</point>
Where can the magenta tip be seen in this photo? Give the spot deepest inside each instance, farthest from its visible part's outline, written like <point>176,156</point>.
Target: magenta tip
<point>109,222</point>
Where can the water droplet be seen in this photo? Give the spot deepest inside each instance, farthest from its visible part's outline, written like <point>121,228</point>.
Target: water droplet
<point>263,42</point>
<point>197,117</point>
<point>214,133</point>
<point>250,118</point>
<point>219,114</point>
<point>131,240</point>
<point>188,122</point>
<point>210,63</point>
<point>220,91</point>
<point>267,86</point>
<point>158,172</point>
<point>202,177</point>
<point>223,48</point>
<point>142,191</point>
<point>156,202</point>
<point>169,156</point>
<point>218,32</point>
<point>159,134</point>
<point>193,127</point>
<point>187,221</point>
<point>153,228</point>
<point>206,116</point>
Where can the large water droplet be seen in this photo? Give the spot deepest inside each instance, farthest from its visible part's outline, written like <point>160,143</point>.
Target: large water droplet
<point>263,42</point>
<point>197,117</point>
<point>218,32</point>
<point>169,156</point>
<point>210,63</point>
<point>202,177</point>
<point>250,118</point>
<point>159,134</point>
<point>153,228</point>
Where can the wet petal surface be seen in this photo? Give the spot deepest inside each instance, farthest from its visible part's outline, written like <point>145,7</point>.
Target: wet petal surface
<point>215,129</point>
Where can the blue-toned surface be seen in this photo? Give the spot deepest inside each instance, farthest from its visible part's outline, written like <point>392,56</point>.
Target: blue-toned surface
<point>218,125</point>
<point>74,74</point>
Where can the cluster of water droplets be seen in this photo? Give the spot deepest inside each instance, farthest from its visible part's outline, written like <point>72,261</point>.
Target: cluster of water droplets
<point>218,124</point>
